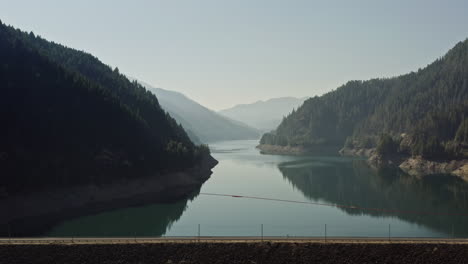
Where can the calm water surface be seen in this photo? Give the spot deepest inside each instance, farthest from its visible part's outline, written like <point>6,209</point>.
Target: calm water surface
<point>413,207</point>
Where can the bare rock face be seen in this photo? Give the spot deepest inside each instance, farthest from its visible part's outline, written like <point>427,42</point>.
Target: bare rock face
<point>360,152</point>
<point>378,161</point>
<point>281,150</point>
<point>419,166</point>
<point>462,172</point>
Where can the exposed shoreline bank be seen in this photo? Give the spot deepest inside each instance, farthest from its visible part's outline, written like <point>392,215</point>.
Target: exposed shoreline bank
<point>295,150</point>
<point>40,210</point>
<point>281,150</point>
<point>415,166</point>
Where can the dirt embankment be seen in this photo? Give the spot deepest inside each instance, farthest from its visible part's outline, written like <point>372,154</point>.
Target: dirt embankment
<point>193,253</point>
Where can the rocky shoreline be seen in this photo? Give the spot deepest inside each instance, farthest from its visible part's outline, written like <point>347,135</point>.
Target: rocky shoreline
<point>48,207</point>
<point>296,150</point>
<point>361,152</point>
<point>416,166</point>
<point>281,150</point>
<point>419,166</point>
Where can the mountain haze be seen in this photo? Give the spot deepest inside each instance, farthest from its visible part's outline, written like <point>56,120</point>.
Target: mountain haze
<point>263,115</point>
<point>201,123</point>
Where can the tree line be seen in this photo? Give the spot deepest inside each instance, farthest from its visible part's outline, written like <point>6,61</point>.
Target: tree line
<point>427,107</point>
<point>67,118</point>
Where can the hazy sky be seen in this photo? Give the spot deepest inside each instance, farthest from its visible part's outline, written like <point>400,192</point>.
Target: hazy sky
<point>222,53</point>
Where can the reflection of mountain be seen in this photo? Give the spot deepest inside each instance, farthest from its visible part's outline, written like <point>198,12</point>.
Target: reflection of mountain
<point>149,220</point>
<point>145,215</point>
<point>354,183</point>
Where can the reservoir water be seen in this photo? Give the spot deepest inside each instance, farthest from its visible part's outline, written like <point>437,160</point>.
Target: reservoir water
<point>378,203</point>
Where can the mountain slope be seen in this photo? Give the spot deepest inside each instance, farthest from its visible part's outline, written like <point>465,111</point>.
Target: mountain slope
<point>73,120</point>
<point>359,112</point>
<point>263,115</point>
<point>205,124</point>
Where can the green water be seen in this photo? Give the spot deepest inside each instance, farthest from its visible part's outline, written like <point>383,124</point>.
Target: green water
<point>408,206</point>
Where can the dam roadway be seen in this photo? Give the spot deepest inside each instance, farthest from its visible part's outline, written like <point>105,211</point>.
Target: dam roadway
<point>271,250</point>
<point>226,239</point>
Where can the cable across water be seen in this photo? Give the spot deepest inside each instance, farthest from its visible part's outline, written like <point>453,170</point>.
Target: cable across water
<point>382,210</point>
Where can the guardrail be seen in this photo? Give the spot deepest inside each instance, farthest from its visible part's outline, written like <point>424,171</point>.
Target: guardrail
<point>219,239</point>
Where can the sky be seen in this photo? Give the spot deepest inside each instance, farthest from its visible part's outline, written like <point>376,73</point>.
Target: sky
<point>221,53</point>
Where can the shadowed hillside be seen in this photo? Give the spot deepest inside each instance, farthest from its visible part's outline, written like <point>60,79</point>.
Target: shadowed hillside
<point>73,120</point>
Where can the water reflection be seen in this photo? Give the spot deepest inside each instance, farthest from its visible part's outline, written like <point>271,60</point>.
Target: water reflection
<point>242,170</point>
<point>149,220</point>
<point>355,183</point>
<point>153,219</point>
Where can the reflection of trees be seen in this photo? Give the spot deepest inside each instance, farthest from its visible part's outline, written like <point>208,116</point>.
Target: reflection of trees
<point>149,220</point>
<point>356,184</point>
<point>152,219</point>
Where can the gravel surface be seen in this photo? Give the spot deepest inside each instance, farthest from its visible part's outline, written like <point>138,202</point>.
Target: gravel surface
<point>236,253</point>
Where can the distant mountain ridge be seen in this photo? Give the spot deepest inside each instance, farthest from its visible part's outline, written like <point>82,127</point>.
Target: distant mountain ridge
<point>263,115</point>
<point>201,123</point>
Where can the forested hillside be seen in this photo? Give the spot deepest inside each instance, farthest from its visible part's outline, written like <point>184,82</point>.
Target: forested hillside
<point>422,112</point>
<point>67,118</point>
